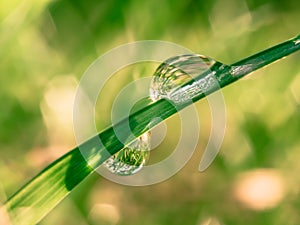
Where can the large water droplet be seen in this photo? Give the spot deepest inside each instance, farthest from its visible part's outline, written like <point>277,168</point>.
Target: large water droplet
<point>176,71</point>
<point>131,158</point>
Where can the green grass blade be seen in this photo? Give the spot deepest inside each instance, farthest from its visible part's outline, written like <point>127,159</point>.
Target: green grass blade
<point>40,195</point>
<point>32,202</point>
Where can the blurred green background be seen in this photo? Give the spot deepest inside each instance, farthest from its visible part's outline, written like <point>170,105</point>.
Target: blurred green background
<point>45,47</point>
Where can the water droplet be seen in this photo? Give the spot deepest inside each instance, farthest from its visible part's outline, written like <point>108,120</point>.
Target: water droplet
<point>178,70</point>
<point>131,158</point>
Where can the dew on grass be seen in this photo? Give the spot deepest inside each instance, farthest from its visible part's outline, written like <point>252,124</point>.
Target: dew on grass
<point>168,77</point>
<point>176,71</point>
<point>131,158</point>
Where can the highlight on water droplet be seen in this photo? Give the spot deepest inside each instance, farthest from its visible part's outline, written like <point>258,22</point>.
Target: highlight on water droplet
<point>131,158</point>
<point>176,71</point>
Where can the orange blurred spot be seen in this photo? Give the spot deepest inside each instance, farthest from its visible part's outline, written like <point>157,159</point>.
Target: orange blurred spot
<point>4,218</point>
<point>105,212</point>
<point>260,189</point>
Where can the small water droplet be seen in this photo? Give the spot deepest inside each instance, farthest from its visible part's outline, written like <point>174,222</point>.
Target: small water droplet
<point>178,70</point>
<point>131,158</point>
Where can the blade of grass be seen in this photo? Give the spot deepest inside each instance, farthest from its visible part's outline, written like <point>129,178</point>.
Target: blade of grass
<point>40,195</point>
<point>43,192</point>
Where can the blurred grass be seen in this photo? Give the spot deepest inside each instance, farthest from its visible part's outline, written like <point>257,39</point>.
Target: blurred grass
<point>45,46</point>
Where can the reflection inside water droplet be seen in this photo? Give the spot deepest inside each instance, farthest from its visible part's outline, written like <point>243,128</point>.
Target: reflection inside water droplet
<point>176,71</point>
<point>131,158</point>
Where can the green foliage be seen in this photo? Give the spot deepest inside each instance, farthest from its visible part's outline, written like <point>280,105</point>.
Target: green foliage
<point>48,188</point>
<point>44,40</point>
